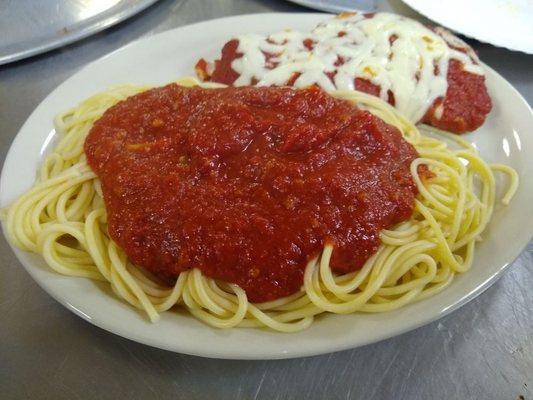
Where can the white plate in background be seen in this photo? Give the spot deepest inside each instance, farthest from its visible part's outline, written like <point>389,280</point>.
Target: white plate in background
<point>504,23</point>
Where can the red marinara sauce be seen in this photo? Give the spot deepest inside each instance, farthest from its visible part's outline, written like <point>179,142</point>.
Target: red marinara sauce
<point>247,184</point>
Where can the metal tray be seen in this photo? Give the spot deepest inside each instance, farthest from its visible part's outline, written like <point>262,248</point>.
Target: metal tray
<point>29,27</point>
<point>337,6</point>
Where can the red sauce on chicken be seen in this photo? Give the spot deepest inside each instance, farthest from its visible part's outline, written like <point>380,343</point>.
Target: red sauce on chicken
<point>465,105</point>
<point>248,184</point>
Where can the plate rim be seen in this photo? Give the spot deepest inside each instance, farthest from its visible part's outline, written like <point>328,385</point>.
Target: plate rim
<point>293,353</point>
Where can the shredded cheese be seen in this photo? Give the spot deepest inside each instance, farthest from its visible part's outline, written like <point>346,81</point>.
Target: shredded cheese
<point>398,54</point>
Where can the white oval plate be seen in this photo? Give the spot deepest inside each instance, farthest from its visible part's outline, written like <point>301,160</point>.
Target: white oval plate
<point>505,23</point>
<point>506,137</point>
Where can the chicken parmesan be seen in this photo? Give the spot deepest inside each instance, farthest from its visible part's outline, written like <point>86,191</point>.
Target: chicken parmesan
<point>428,74</point>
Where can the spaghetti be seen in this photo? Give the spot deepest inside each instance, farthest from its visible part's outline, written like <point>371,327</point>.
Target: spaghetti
<point>63,218</point>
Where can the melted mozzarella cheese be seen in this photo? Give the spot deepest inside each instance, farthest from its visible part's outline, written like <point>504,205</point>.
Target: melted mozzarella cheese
<point>413,66</point>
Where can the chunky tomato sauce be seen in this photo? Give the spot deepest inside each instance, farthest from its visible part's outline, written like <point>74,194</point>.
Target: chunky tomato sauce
<point>247,184</point>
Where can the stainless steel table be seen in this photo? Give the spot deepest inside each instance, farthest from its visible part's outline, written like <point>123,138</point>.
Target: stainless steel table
<point>482,351</point>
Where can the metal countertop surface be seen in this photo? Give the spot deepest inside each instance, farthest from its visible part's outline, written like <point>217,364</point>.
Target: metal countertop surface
<point>482,351</point>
